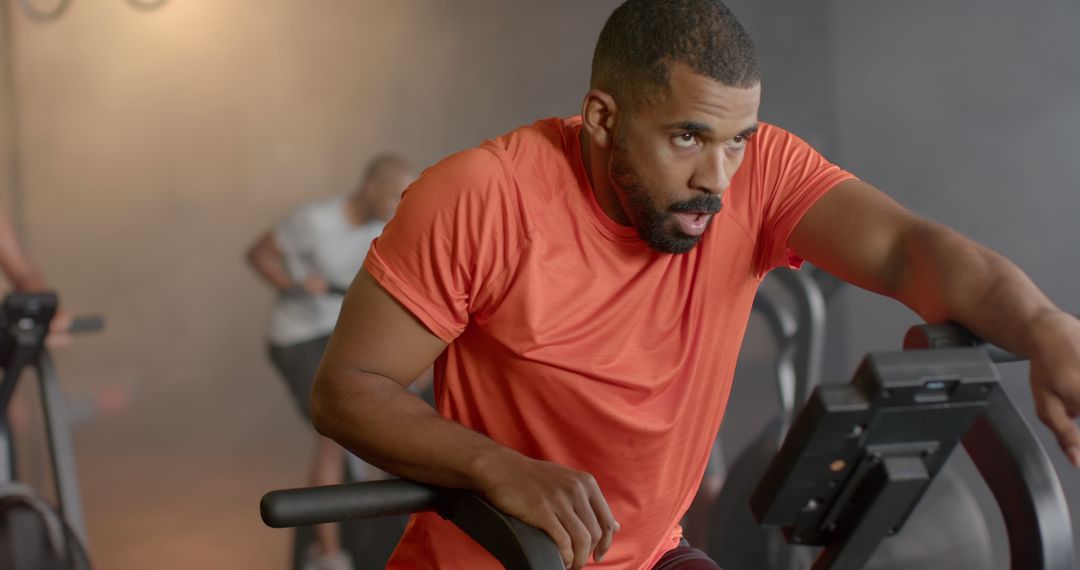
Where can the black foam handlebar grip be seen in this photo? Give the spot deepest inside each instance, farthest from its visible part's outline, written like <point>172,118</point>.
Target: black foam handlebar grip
<point>317,505</point>
<point>952,335</point>
<point>87,323</point>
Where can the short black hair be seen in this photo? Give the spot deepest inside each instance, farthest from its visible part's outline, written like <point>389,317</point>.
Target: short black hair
<point>643,38</point>
<point>383,166</point>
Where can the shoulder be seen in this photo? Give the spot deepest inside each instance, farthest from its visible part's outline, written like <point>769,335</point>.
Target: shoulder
<point>773,145</point>
<point>469,176</point>
<point>771,140</point>
<point>314,209</point>
<point>540,151</point>
<point>543,139</point>
<point>529,157</point>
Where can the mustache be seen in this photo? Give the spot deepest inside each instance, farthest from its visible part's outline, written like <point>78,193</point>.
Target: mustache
<point>708,204</point>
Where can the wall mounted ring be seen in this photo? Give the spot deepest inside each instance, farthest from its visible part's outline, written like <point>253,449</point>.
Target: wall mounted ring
<point>44,11</point>
<point>147,4</point>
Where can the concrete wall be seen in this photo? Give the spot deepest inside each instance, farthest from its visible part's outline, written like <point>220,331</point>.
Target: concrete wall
<point>8,175</point>
<point>156,145</point>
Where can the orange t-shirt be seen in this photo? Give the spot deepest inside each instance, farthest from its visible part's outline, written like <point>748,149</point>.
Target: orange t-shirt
<point>569,339</point>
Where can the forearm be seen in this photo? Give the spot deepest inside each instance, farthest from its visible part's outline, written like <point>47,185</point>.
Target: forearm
<point>385,424</point>
<point>22,273</point>
<point>25,277</point>
<point>949,277</point>
<point>270,266</point>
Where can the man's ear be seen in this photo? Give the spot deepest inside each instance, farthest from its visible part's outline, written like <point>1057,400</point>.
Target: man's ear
<point>598,113</point>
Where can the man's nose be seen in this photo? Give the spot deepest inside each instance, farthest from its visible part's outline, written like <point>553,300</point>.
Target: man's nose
<point>712,175</point>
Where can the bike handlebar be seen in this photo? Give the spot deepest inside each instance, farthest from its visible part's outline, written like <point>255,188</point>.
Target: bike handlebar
<point>317,505</point>
<point>87,323</point>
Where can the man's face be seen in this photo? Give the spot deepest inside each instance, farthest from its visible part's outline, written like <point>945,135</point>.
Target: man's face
<point>673,157</point>
<point>388,193</point>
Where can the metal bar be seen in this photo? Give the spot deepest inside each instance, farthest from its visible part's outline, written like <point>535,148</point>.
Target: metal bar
<point>12,371</point>
<point>783,327</point>
<point>1025,485</point>
<point>810,335</point>
<point>518,546</point>
<point>66,474</point>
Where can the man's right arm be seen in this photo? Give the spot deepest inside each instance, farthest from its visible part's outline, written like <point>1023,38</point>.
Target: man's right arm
<point>266,257</point>
<point>359,399</point>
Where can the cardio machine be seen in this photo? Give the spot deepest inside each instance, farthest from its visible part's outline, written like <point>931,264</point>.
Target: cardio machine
<point>808,489</point>
<point>24,324</point>
<point>860,456</point>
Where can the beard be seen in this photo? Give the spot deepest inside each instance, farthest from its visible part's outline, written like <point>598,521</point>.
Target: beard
<point>656,227</point>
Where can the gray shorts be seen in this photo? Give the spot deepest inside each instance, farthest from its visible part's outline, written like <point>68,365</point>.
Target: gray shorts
<point>297,364</point>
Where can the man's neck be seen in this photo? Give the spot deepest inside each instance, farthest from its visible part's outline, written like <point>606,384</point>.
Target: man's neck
<point>357,212</point>
<point>595,162</point>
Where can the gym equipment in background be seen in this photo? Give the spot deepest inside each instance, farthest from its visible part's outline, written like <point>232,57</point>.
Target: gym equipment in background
<point>860,456</point>
<point>35,536</point>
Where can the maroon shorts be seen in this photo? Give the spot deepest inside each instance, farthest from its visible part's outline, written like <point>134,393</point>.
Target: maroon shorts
<point>686,557</point>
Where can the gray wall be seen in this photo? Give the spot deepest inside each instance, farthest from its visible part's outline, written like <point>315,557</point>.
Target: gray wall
<point>967,112</point>
<point>8,173</point>
<point>155,145</point>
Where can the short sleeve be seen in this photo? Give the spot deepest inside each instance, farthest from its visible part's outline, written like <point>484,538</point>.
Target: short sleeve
<point>295,236</point>
<point>792,177</point>
<point>457,229</point>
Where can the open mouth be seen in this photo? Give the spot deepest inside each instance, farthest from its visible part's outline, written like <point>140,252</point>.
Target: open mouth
<point>693,223</point>
<point>693,215</point>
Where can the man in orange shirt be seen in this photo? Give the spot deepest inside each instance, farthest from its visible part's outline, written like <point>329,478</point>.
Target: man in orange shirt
<point>582,286</point>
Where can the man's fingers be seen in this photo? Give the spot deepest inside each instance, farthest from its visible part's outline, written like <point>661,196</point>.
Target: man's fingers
<point>61,322</point>
<point>565,503</point>
<point>604,545</point>
<point>579,535</point>
<point>605,519</point>
<point>583,507</point>
<point>58,340</point>
<point>1053,412</point>
<point>559,536</point>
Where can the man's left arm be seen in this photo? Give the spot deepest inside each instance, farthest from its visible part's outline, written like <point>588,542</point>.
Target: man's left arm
<point>862,236</point>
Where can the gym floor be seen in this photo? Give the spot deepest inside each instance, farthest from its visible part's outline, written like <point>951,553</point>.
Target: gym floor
<point>190,498</point>
<point>172,479</point>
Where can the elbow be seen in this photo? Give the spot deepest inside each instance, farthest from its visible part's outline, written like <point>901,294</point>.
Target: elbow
<point>320,409</point>
<point>253,256</point>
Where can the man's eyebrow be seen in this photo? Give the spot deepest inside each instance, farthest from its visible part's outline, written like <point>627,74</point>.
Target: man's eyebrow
<point>690,127</point>
<point>696,127</point>
<point>749,130</point>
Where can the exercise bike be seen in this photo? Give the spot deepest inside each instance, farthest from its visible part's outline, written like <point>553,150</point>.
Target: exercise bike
<point>844,479</point>
<point>34,535</point>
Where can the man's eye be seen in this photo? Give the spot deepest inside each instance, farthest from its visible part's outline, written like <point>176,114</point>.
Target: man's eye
<point>685,140</point>
<point>738,141</point>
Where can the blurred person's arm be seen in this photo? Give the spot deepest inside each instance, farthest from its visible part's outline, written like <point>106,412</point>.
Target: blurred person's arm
<point>266,257</point>
<point>859,234</point>
<point>24,276</point>
<point>22,272</point>
<point>361,400</point>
